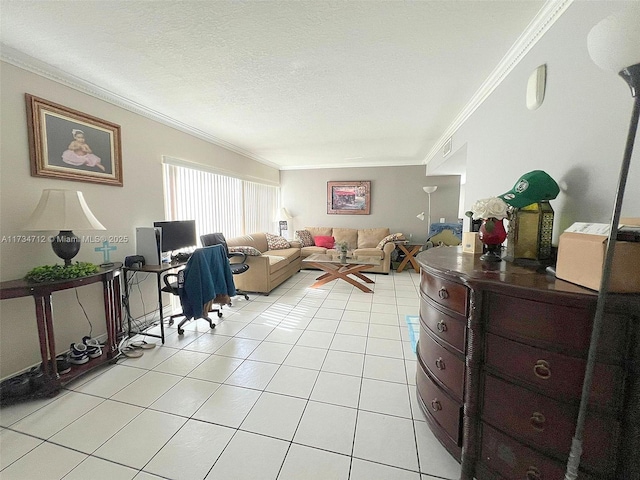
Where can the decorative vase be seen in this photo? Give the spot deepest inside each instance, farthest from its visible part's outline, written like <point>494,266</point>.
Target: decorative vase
<point>343,257</point>
<point>492,233</point>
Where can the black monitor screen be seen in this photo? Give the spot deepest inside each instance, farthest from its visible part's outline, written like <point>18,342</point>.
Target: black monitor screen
<point>177,234</point>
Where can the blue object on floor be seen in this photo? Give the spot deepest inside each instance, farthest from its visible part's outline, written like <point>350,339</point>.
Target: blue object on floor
<point>413,322</point>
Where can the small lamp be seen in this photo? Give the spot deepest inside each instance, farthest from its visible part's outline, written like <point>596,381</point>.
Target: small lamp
<point>420,216</point>
<point>614,44</point>
<point>283,217</point>
<point>63,210</point>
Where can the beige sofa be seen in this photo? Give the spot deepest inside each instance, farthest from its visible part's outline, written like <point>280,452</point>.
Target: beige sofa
<point>363,243</point>
<point>270,268</point>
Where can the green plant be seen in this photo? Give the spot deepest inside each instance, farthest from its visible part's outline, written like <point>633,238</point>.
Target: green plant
<point>342,246</point>
<point>50,273</point>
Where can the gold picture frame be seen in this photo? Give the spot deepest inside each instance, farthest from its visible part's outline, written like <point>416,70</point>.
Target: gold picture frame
<point>349,198</point>
<point>71,145</point>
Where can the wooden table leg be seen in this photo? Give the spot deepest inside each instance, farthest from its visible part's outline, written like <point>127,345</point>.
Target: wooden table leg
<point>409,256</point>
<point>334,272</point>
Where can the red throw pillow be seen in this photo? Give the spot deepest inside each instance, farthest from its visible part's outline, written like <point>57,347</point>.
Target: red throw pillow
<point>324,241</point>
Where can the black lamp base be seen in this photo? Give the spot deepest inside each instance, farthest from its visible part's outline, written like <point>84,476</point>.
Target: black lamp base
<point>66,245</point>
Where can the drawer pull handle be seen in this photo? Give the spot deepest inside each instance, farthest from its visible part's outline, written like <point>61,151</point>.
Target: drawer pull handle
<point>436,405</point>
<point>440,363</point>
<point>441,326</point>
<point>537,421</point>
<point>533,474</point>
<point>442,293</point>
<point>541,369</point>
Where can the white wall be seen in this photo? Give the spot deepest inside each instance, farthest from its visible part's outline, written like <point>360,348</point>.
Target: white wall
<point>577,135</point>
<point>396,198</point>
<point>120,210</point>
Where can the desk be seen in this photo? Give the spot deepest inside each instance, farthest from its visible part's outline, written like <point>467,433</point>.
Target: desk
<point>42,295</point>
<point>157,270</point>
<point>410,251</point>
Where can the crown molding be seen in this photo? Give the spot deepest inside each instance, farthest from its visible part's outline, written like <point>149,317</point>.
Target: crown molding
<point>26,62</point>
<point>544,19</point>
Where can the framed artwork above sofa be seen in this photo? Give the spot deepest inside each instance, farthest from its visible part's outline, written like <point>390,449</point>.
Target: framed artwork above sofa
<point>349,198</point>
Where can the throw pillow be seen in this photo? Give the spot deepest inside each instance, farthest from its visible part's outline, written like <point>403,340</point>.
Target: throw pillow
<point>324,241</point>
<point>250,251</point>
<point>394,237</point>
<point>305,238</point>
<point>275,242</point>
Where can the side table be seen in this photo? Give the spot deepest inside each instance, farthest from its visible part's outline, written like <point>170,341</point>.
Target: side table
<point>42,295</point>
<point>410,251</point>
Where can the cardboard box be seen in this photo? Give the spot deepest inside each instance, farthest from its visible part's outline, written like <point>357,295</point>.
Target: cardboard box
<point>581,257</point>
<point>471,242</point>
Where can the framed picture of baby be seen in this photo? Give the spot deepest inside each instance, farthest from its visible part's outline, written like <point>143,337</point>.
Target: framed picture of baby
<point>72,145</point>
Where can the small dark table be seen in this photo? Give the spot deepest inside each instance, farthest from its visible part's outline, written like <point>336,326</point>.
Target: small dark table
<point>42,295</point>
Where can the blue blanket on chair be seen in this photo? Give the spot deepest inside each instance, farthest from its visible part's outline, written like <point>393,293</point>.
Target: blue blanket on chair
<point>206,276</point>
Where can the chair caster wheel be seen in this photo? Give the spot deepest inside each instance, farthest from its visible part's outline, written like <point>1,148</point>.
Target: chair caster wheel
<point>213,325</point>
<point>219,314</point>
<point>246,297</point>
<point>180,331</point>
<point>170,322</point>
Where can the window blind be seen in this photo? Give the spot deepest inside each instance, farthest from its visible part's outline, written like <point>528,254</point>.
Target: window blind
<point>219,203</point>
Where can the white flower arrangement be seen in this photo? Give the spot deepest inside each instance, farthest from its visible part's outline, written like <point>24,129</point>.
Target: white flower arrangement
<point>492,207</point>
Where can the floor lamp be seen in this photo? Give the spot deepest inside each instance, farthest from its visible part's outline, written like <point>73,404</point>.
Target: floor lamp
<point>429,190</point>
<point>614,44</point>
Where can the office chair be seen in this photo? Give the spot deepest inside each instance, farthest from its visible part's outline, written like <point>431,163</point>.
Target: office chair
<point>236,268</point>
<point>205,280</point>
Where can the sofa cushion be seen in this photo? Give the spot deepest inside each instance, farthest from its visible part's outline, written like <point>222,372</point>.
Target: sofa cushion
<point>324,241</point>
<point>288,253</point>
<point>276,242</point>
<point>348,235</point>
<point>277,263</point>
<point>250,251</point>
<point>306,251</point>
<point>322,231</point>
<point>394,237</point>
<point>305,238</point>
<point>257,240</point>
<point>369,252</point>
<point>370,237</point>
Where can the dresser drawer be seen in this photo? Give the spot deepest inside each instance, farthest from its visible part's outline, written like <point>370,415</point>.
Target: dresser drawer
<point>448,328</point>
<point>448,294</point>
<point>440,406</point>
<point>442,364</point>
<point>547,423</point>
<point>512,460</point>
<point>555,374</point>
<point>555,325</point>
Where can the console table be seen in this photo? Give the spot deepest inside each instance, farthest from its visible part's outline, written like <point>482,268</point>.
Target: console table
<point>501,361</point>
<point>42,295</point>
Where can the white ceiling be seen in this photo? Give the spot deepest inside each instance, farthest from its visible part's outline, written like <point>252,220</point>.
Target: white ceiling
<point>294,84</point>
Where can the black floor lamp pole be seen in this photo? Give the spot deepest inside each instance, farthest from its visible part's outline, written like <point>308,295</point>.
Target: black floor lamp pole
<point>632,76</point>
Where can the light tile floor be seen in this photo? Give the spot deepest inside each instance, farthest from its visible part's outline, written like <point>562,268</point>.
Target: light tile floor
<point>302,384</point>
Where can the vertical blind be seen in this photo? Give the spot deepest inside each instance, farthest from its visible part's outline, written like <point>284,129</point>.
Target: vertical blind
<point>219,203</point>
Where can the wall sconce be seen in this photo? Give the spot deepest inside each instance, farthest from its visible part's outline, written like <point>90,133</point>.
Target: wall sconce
<point>63,210</point>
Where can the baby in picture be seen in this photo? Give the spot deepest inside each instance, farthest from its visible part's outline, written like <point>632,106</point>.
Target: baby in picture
<point>79,152</point>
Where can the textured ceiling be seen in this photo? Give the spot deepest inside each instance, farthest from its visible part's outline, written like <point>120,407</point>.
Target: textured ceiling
<point>295,84</point>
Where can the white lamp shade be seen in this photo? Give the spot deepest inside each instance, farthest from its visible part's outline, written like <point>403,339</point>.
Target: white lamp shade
<point>62,210</point>
<point>614,43</point>
<point>430,189</point>
<point>284,214</point>
<point>420,216</point>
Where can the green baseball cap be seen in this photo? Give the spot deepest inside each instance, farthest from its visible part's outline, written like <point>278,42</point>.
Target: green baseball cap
<point>531,188</point>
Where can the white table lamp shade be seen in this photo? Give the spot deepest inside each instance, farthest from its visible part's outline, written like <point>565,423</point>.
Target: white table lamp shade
<point>430,189</point>
<point>614,43</point>
<point>62,210</point>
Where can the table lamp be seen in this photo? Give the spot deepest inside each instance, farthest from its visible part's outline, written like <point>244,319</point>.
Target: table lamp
<point>63,210</point>
<point>614,44</point>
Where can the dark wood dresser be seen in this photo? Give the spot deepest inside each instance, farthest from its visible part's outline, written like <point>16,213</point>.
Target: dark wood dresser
<point>501,361</point>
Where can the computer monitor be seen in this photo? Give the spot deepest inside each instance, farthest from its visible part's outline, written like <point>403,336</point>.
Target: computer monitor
<point>177,234</point>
